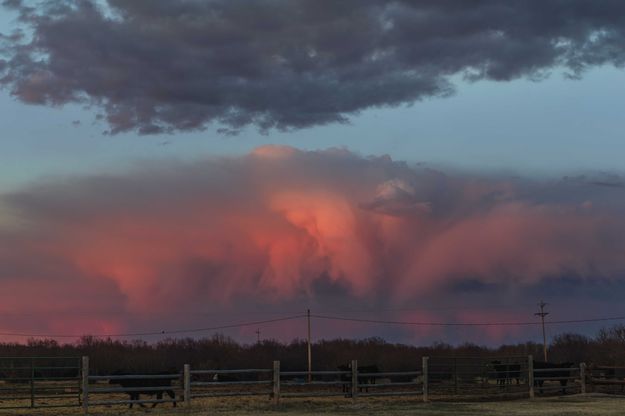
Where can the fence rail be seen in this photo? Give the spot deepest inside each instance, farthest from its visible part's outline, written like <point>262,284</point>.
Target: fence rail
<point>437,378</point>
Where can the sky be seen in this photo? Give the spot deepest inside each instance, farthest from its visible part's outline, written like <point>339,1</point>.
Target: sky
<point>196,164</point>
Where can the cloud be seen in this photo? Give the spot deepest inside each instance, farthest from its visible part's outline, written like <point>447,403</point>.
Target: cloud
<point>155,66</point>
<point>396,197</point>
<point>281,228</point>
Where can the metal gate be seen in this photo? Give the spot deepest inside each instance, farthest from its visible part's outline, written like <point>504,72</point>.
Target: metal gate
<point>37,382</point>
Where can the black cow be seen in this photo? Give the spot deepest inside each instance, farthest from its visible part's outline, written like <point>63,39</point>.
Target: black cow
<point>345,378</point>
<point>556,374</point>
<point>368,379</point>
<point>145,384</point>
<point>506,372</point>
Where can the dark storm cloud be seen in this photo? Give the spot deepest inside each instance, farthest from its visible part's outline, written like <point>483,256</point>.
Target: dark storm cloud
<point>159,65</point>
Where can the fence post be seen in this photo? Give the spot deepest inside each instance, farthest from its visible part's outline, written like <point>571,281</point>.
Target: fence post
<point>85,385</point>
<point>424,366</point>
<point>354,379</point>
<point>455,375</point>
<point>582,376</point>
<point>276,382</point>
<point>32,382</point>
<point>186,383</point>
<point>530,374</point>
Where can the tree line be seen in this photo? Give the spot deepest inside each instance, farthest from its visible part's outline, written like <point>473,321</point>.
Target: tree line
<point>607,347</point>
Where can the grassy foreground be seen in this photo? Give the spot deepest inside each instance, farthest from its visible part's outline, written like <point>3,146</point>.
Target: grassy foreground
<point>569,405</point>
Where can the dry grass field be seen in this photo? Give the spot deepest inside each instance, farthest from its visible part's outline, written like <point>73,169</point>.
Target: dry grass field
<point>569,405</point>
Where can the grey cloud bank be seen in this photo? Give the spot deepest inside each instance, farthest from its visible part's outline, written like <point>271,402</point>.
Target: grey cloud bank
<point>161,66</point>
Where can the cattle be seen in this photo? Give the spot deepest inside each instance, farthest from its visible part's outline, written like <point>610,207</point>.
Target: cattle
<point>506,372</point>
<point>553,372</point>
<point>148,385</point>
<point>345,378</point>
<point>370,378</point>
<point>362,379</point>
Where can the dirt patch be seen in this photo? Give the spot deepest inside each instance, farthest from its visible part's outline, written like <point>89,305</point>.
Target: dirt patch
<point>569,405</point>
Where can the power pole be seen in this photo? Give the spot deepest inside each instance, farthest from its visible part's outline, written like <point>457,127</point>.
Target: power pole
<point>309,348</point>
<point>258,336</point>
<point>542,315</point>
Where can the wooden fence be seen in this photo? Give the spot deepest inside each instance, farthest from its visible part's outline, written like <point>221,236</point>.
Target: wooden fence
<point>193,384</point>
<point>438,378</point>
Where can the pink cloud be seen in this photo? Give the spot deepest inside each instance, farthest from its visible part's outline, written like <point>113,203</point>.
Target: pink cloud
<point>283,226</point>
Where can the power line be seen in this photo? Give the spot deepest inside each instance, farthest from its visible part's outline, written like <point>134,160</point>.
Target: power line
<point>376,321</point>
<point>326,317</point>
<point>176,331</point>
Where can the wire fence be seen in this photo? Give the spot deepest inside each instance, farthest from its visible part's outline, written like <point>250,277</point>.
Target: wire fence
<point>39,382</point>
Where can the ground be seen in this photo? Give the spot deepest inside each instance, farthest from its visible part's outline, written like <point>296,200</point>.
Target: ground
<point>568,405</point>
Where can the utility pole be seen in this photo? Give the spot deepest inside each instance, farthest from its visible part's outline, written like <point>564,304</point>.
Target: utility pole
<point>542,315</point>
<point>309,348</point>
<point>258,336</point>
